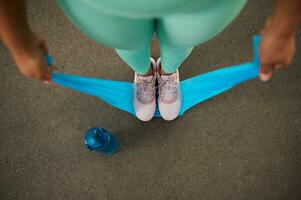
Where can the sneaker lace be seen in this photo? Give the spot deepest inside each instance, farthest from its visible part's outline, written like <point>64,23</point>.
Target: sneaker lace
<point>146,89</point>
<point>168,88</point>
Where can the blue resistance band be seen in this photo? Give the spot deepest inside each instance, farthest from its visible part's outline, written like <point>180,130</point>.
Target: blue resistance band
<point>194,90</point>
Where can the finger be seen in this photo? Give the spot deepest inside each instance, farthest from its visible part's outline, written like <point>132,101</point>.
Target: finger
<point>266,72</point>
<point>46,76</point>
<point>266,68</point>
<point>54,68</point>
<point>262,32</point>
<point>49,68</point>
<point>43,74</point>
<point>47,82</point>
<point>279,66</point>
<point>265,77</point>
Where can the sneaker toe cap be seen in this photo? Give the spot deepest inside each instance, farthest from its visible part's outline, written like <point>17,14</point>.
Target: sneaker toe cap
<point>170,111</point>
<point>144,116</point>
<point>145,112</point>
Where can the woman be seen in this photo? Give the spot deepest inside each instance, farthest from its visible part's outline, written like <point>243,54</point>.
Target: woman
<point>128,26</point>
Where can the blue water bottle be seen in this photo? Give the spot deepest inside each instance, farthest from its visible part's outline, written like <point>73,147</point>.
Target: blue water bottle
<point>100,140</point>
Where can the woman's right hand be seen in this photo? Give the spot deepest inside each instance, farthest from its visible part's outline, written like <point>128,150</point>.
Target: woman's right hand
<point>31,60</point>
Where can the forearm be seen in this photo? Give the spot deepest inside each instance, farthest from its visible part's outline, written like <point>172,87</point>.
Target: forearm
<point>287,16</point>
<point>14,29</point>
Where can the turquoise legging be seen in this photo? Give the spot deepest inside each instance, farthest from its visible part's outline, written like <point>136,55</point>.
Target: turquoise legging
<point>177,33</point>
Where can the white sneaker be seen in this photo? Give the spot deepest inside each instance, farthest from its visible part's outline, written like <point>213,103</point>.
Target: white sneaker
<point>170,98</point>
<point>144,94</point>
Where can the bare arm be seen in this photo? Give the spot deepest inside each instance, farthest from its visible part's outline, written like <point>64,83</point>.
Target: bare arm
<point>27,49</point>
<point>14,30</point>
<point>278,37</point>
<point>287,15</point>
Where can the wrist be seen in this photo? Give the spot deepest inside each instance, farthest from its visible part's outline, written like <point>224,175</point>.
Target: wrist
<point>280,27</point>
